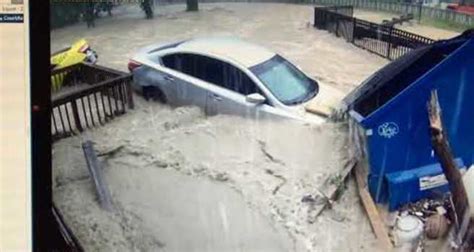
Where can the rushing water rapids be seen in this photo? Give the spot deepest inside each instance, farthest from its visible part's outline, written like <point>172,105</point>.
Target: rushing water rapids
<point>181,180</point>
<point>269,166</point>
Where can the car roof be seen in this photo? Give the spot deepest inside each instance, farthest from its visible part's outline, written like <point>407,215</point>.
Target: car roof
<point>242,52</point>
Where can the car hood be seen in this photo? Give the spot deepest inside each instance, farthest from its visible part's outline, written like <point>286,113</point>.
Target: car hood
<point>325,102</point>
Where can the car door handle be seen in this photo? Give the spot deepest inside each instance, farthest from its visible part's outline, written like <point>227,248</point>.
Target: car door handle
<point>169,78</point>
<point>215,97</point>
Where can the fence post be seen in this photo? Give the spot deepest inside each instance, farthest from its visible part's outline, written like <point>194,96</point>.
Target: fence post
<point>389,42</point>
<point>75,114</point>
<point>130,93</point>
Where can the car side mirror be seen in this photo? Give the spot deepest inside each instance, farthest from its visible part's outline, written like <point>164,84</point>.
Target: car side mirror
<point>255,98</point>
<point>315,82</point>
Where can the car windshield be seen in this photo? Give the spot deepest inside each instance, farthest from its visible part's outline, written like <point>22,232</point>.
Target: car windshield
<point>285,81</point>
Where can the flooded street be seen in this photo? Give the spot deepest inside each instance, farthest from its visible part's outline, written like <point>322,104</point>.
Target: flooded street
<point>284,28</point>
<point>182,180</point>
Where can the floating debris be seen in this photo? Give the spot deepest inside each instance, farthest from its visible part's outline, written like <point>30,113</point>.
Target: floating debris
<point>436,226</point>
<point>427,207</point>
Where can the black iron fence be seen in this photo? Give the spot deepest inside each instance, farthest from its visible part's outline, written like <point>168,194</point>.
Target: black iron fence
<point>419,11</point>
<point>383,40</point>
<point>90,96</point>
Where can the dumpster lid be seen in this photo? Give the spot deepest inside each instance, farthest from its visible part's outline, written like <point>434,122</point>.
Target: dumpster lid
<point>392,79</point>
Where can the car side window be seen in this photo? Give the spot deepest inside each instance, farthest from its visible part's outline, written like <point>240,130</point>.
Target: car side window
<point>184,63</point>
<point>170,61</point>
<point>209,69</point>
<point>238,81</point>
<point>213,71</point>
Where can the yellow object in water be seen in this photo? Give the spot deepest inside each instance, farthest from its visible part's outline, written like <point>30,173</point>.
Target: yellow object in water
<point>79,52</point>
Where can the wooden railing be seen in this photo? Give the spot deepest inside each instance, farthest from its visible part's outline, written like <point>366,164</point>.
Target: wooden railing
<point>101,95</point>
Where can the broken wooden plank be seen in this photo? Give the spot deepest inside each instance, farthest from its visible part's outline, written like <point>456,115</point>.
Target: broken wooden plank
<point>95,170</point>
<point>440,143</point>
<point>374,217</point>
<point>321,111</point>
<point>325,107</point>
<point>330,192</point>
<point>441,148</point>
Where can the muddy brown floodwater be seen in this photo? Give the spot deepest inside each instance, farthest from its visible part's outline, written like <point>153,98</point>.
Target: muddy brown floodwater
<point>181,181</point>
<point>284,28</point>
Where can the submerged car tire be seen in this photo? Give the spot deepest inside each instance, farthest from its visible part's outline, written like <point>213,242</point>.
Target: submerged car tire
<point>153,93</point>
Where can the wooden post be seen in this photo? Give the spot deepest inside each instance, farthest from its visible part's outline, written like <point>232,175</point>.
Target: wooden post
<point>453,175</point>
<point>95,170</point>
<point>374,217</point>
<point>75,114</point>
<point>128,82</point>
<point>440,145</point>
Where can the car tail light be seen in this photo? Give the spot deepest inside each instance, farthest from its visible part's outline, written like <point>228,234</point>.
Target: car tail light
<point>132,65</point>
<point>84,48</point>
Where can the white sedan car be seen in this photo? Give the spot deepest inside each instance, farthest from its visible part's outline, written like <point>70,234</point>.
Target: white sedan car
<point>229,76</point>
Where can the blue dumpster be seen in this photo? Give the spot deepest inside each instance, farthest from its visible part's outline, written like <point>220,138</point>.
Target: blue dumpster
<point>391,107</point>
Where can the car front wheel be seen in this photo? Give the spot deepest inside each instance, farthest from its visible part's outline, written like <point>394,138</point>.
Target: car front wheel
<point>153,93</point>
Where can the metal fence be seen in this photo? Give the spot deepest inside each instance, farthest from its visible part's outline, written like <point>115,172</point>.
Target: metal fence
<point>382,40</point>
<point>100,95</point>
<point>418,11</point>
